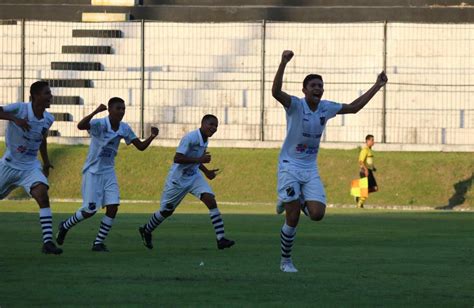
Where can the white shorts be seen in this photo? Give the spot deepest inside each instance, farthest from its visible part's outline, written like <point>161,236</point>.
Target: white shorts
<point>175,192</point>
<point>295,183</point>
<point>12,178</point>
<point>99,190</point>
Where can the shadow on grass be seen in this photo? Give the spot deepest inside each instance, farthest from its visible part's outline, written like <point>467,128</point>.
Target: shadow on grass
<point>459,196</point>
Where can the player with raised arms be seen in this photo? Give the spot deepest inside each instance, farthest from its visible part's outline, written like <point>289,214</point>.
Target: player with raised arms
<point>99,182</point>
<point>26,133</point>
<point>184,177</point>
<point>299,183</point>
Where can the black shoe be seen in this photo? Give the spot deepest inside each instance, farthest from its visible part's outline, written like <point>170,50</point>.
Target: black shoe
<point>224,243</point>
<point>61,235</point>
<point>100,247</point>
<point>146,237</point>
<point>50,248</point>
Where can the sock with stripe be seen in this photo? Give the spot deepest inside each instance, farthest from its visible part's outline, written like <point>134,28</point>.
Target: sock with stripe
<point>46,221</point>
<point>287,237</point>
<point>105,226</point>
<point>73,220</point>
<point>217,222</point>
<point>155,220</point>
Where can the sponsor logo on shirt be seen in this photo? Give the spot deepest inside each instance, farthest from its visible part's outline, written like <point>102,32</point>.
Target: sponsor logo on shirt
<point>308,149</point>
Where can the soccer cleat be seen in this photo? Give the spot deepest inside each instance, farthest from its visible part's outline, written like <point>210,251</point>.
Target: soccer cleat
<point>146,237</point>
<point>280,207</point>
<point>287,266</point>
<point>61,235</point>
<point>225,243</point>
<point>100,247</point>
<point>50,248</point>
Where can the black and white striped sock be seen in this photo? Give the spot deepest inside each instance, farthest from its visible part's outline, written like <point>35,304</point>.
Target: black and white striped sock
<point>287,237</point>
<point>217,222</point>
<point>155,220</point>
<point>73,220</point>
<point>46,220</point>
<point>105,226</point>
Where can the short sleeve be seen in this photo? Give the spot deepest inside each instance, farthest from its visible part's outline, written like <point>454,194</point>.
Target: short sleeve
<point>95,127</point>
<point>184,145</point>
<point>363,155</point>
<point>15,108</point>
<point>295,105</point>
<point>332,109</point>
<point>129,135</point>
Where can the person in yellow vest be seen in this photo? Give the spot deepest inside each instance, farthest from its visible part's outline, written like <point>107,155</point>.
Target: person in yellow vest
<point>367,167</point>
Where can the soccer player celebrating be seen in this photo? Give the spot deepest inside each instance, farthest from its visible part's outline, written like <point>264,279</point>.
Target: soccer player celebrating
<point>99,182</point>
<point>28,125</point>
<point>299,183</point>
<point>185,178</point>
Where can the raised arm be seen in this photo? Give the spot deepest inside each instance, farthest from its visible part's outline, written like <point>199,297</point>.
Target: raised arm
<point>84,124</point>
<point>361,101</point>
<point>23,123</point>
<point>142,145</point>
<point>277,93</point>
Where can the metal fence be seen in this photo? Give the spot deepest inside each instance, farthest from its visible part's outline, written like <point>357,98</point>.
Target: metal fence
<point>171,74</point>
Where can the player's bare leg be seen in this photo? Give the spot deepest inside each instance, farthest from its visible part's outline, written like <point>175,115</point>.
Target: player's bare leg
<point>315,210</point>
<point>217,222</point>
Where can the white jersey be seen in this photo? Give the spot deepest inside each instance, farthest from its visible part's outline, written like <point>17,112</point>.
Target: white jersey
<point>22,146</point>
<point>104,145</point>
<point>304,131</point>
<point>191,145</point>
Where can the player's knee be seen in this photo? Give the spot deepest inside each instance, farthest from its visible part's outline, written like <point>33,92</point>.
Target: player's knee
<point>209,200</point>
<point>316,211</point>
<point>316,216</point>
<point>88,214</point>
<point>111,210</point>
<point>166,213</point>
<point>40,194</point>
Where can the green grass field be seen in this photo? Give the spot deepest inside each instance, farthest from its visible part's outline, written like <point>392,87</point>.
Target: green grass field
<point>249,175</point>
<point>351,258</point>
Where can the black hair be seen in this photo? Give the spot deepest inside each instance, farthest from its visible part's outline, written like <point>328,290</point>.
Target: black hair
<point>310,77</point>
<point>207,117</point>
<point>369,137</point>
<point>115,100</point>
<point>37,86</point>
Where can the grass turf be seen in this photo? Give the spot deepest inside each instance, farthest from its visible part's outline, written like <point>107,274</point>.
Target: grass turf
<point>351,258</point>
<point>249,175</point>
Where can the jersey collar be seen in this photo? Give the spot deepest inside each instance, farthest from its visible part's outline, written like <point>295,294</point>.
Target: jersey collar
<point>306,109</point>
<point>201,140</point>
<point>31,114</point>
<point>109,126</point>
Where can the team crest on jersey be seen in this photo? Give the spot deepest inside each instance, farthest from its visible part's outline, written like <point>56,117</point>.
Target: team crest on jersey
<point>322,120</point>
<point>290,191</point>
<point>92,206</point>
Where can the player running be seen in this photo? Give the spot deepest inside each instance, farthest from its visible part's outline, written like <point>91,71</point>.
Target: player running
<point>26,133</point>
<point>184,177</point>
<point>299,183</point>
<point>99,182</point>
